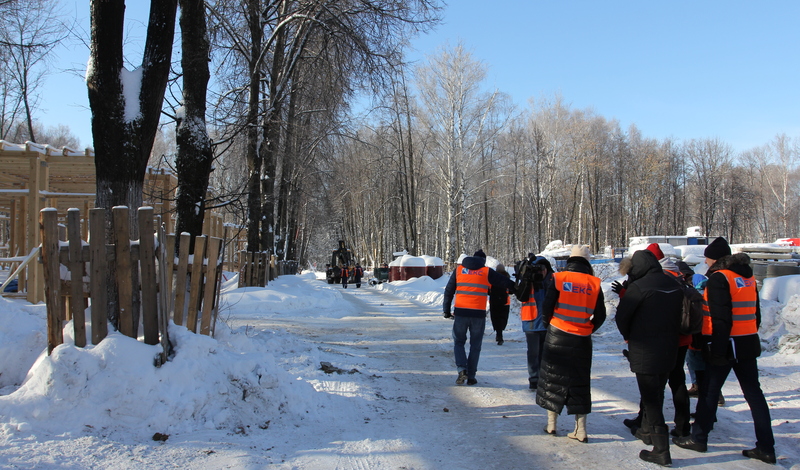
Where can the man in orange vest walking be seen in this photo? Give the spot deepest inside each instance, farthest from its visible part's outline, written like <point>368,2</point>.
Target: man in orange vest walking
<point>469,287</point>
<point>730,331</point>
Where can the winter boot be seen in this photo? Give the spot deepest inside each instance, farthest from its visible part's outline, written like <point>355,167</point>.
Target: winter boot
<point>644,434</point>
<point>499,338</point>
<point>552,417</point>
<point>462,377</point>
<point>660,453</point>
<point>580,429</point>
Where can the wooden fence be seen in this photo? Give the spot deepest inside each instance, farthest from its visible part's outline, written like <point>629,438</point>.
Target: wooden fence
<point>145,272</point>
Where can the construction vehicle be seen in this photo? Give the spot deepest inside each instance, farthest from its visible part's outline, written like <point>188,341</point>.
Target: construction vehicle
<point>339,258</point>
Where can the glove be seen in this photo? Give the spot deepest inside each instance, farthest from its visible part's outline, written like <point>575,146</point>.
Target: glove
<point>618,288</point>
<point>625,353</point>
<point>447,315</point>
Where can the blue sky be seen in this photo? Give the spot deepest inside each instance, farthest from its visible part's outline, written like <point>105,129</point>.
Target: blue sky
<point>680,69</point>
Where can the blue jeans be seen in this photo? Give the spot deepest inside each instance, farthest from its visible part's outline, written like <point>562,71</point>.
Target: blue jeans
<point>747,374</point>
<point>476,327</point>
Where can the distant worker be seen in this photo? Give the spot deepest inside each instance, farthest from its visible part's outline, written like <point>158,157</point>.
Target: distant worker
<point>358,273</point>
<point>469,286</point>
<point>345,274</point>
<point>499,306</point>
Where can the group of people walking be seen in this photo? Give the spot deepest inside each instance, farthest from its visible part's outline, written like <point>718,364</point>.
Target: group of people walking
<point>561,310</point>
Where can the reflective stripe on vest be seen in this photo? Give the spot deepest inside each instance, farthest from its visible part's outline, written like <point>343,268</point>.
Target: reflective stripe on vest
<point>529,311</point>
<point>743,302</point>
<point>576,301</point>
<point>472,288</point>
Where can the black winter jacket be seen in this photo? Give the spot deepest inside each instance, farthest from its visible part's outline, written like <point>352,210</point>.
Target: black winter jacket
<point>496,280</point>
<point>718,348</point>
<point>649,316</point>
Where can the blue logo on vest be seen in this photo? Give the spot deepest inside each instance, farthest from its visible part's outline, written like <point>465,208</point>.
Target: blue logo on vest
<point>577,288</point>
<point>742,282</point>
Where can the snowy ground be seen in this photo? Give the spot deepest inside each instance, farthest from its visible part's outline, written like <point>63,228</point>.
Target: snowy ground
<point>255,396</point>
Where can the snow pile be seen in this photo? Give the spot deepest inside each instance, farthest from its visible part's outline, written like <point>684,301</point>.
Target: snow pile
<point>22,338</point>
<point>423,289</point>
<point>229,382</point>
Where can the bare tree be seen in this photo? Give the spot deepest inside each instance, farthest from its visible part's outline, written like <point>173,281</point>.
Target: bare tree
<point>455,113</point>
<point>195,155</point>
<point>126,105</point>
<point>29,31</point>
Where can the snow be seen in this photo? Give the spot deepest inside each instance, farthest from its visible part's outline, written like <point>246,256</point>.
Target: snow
<point>255,395</point>
<point>131,88</point>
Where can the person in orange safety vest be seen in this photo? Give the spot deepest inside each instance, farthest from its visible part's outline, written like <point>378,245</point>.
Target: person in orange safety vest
<point>574,308</point>
<point>730,336</point>
<point>467,291</point>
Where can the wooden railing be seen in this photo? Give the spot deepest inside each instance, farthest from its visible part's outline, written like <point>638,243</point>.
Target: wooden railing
<point>145,270</point>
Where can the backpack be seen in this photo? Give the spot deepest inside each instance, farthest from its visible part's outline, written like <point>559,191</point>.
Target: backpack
<point>692,312</point>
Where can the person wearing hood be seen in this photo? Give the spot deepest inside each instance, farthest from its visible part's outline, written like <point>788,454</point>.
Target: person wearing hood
<point>677,377</point>
<point>573,309</point>
<point>468,288</point>
<point>730,333</point>
<point>649,317</point>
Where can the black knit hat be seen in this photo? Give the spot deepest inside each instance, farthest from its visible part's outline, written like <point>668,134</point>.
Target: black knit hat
<point>480,254</point>
<point>717,249</point>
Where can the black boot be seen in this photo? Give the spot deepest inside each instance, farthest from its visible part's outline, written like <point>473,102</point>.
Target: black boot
<point>499,337</point>
<point>644,435</point>
<point>660,453</point>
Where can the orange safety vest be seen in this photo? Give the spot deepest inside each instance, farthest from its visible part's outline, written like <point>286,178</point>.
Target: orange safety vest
<point>529,311</point>
<point>344,273</point>
<point>743,301</point>
<point>576,301</point>
<point>472,288</point>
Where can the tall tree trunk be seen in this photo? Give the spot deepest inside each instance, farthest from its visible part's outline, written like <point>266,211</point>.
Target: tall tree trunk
<point>124,132</point>
<point>194,146</point>
<point>254,158</point>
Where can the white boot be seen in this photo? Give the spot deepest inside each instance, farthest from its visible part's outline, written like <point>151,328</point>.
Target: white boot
<point>552,417</point>
<point>580,429</point>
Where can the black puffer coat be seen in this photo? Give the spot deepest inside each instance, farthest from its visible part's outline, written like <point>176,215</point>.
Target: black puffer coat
<point>719,304</point>
<point>649,316</point>
<point>565,371</point>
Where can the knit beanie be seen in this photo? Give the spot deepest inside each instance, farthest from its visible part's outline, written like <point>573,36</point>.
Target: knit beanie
<point>582,251</point>
<point>656,250</point>
<point>480,254</point>
<point>717,249</point>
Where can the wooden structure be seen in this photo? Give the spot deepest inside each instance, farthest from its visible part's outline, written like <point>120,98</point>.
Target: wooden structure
<point>33,177</point>
<point>152,282</point>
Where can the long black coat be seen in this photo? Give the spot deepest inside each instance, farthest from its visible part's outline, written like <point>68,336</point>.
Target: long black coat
<point>565,371</point>
<point>649,316</point>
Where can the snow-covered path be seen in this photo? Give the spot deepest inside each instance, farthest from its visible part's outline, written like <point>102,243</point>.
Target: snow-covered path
<point>394,406</point>
<point>410,414</point>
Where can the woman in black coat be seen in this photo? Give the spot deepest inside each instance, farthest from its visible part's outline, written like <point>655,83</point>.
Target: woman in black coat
<point>649,317</point>
<point>564,374</point>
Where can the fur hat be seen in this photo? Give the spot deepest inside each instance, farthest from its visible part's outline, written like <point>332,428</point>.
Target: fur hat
<point>480,254</point>
<point>582,251</point>
<point>625,265</point>
<point>717,249</point>
<point>656,250</point>
<point>500,268</point>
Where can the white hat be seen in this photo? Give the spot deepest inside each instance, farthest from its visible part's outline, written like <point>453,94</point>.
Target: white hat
<point>581,250</point>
